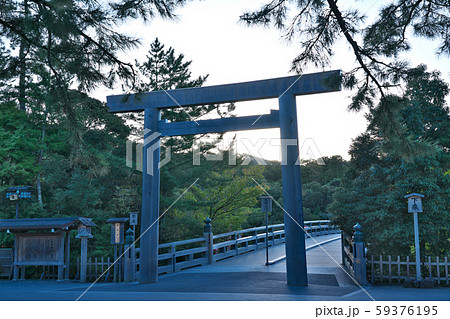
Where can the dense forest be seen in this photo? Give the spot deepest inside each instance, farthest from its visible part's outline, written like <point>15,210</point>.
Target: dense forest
<point>59,140</point>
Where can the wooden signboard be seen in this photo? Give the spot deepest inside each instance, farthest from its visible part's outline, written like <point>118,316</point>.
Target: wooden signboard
<point>133,219</point>
<point>40,249</point>
<point>266,204</point>
<point>415,204</point>
<point>117,233</point>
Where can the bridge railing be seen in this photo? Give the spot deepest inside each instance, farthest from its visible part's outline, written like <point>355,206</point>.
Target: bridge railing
<point>347,253</point>
<point>242,241</point>
<point>179,255</point>
<point>387,268</point>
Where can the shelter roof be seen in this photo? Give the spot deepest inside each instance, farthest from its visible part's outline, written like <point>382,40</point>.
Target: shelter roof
<point>44,223</point>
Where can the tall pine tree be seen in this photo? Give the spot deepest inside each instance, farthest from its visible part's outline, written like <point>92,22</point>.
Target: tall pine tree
<point>166,70</point>
<point>379,177</point>
<point>49,47</point>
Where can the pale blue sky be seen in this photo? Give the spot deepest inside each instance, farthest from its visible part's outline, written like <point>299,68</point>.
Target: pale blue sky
<point>210,34</point>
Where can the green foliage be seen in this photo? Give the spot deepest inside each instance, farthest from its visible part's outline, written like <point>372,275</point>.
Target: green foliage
<point>163,70</point>
<point>381,173</point>
<point>19,146</point>
<point>181,224</point>
<point>88,187</point>
<point>63,44</point>
<point>227,197</point>
<point>319,182</point>
<point>76,40</point>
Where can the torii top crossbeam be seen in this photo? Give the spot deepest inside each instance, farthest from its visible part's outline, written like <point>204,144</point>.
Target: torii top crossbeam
<point>255,90</point>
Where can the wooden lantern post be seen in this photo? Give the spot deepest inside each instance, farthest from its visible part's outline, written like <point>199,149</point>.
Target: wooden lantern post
<point>84,232</point>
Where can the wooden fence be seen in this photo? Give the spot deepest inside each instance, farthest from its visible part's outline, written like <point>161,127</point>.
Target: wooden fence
<point>95,267</point>
<point>397,269</point>
<point>49,272</point>
<point>179,255</point>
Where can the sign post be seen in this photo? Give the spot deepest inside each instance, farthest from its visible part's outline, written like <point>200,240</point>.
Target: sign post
<point>117,239</point>
<point>266,207</point>
<point>134,221</point>
<point>415,206</point>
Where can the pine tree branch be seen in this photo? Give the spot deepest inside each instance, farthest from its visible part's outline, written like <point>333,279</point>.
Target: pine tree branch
<point>120,63</point>
<point>312,42</point>
<point>291,29</point>
<point>266,10</point>
<point>356,49</point>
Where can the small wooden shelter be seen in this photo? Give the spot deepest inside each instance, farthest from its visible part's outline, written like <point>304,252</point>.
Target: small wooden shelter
<point>44,242</point>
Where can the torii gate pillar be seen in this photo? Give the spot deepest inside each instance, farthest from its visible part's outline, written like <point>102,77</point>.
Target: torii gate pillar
<point>292,193</point>
<point>148,271</point>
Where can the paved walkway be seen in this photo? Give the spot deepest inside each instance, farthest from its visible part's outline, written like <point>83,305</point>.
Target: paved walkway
<point>242,277</point>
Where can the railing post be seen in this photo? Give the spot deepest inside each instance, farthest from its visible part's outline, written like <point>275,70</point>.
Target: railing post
<point>273,236</point>
<point>130,257</point>
<point>359,256</point>
<point>173,260</point>
<point>207,233</point>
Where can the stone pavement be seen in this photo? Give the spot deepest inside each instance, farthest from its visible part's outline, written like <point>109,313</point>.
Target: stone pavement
<point>243,277</point>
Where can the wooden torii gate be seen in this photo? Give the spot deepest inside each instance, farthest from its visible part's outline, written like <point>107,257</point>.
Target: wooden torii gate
<point>285,89</point>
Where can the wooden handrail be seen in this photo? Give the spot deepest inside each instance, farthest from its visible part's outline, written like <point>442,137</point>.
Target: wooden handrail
<point>235,243</point>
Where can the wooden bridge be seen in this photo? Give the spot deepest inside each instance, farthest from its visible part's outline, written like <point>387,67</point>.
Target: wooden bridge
<point>184,254</point>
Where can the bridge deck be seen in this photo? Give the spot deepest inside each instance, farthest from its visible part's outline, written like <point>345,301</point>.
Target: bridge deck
<point>254,261</point>
<point>243,277</point>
